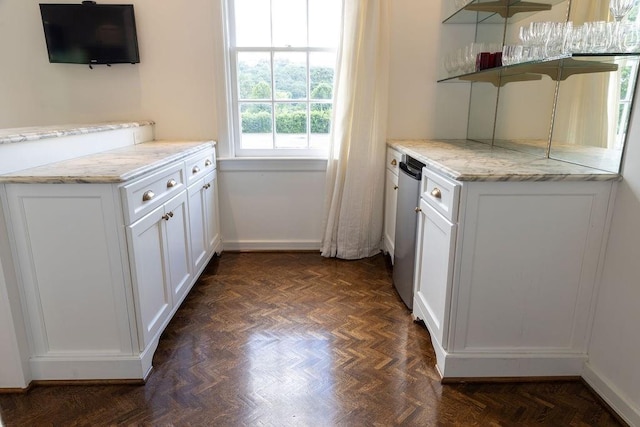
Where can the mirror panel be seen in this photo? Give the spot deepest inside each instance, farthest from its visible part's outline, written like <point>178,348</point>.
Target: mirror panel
<point>593,114</point>
<point>581,119</point>
<point>523,121</point>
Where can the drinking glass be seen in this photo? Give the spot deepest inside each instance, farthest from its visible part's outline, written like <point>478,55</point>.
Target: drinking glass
<point>512,54</point>
<point>597,37</point>
<point>629,37</point>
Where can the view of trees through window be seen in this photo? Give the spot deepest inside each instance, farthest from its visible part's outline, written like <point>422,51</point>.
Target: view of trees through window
<point>255,89</point>
<point>284,67</point>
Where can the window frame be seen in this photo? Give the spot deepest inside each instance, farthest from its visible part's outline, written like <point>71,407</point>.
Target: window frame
<point>234,103</point>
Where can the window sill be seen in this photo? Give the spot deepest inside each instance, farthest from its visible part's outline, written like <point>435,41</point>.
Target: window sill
<point>277,164</point>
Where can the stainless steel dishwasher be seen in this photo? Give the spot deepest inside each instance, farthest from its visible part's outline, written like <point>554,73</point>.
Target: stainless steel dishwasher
<point>406,227</point>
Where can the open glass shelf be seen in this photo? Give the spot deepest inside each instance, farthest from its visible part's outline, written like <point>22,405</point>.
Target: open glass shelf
<point>558,69</point>
<point>495,11</point>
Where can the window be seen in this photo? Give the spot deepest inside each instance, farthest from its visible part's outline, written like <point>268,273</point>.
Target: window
<point>627,84</point>
<point>282,57</point>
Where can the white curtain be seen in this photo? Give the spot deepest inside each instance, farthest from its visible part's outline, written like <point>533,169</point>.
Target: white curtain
<point>355,170</point>
<point>588,116</point>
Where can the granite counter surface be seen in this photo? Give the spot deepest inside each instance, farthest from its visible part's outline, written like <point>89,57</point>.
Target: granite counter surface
<point>23,134</point>
<point>473,161</point>
<point>113,166</point>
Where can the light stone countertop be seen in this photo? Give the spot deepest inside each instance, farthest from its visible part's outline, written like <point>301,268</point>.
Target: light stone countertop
<point>463,160</point>
<point>34,133</point>
<point>113,166</point>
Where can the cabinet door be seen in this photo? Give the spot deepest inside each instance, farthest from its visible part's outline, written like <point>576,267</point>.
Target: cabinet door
<point>149,270</point>
<point>390,207</point>
<point>177,245</point>
<point>212,217</point>
<point>198,215</point>
<point>434,271</point>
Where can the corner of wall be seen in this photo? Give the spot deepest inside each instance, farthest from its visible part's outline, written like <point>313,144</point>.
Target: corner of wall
<point>629,411</point>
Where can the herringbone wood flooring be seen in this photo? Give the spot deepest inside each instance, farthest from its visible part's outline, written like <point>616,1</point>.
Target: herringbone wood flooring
<point>299,340</point>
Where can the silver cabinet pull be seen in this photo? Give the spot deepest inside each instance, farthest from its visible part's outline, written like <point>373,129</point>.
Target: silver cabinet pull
<point>436,193</point>
<point>395,187</point>
<point>165,217</point>
<point>417,209</point>
<point>148,195</point>
<point>195,170</point>
<point>171,183</point>
<point>208,163</point>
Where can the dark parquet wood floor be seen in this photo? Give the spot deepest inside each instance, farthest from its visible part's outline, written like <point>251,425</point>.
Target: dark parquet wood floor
<point>299,340</point>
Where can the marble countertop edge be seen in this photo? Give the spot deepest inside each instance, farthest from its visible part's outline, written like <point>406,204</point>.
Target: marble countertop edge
<point>464,160</point>
<point>35,133</point>
<point>109,167</point>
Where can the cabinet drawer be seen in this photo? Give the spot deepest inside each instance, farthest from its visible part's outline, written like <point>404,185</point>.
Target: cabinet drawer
<point>441,193</point>
<point>145,194</point>
<point>393,160</point>
<point>199,165</point>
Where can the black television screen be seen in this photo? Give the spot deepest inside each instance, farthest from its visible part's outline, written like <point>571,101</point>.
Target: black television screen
<point>90,33</point>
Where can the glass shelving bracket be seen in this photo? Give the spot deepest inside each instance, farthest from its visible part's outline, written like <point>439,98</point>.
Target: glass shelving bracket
<point>495,11</point>
<point>506,10</point>
<point>498,80</point>
<point>558,69</point>
<point>563,68</point>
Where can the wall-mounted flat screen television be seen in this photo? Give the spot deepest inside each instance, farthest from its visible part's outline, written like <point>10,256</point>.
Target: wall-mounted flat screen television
<point>90,33</point>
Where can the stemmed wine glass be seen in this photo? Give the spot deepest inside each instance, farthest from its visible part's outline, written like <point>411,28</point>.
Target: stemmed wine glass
<point>620,8</point>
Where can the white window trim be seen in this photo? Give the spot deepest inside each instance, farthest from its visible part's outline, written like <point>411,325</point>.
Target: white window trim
<point>225,138</point>
<point>229,114</point>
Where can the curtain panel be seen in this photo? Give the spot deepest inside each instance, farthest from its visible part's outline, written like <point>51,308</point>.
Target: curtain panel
<point>353,216</point>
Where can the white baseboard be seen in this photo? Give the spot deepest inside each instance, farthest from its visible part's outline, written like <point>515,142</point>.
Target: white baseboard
<point>96,369</point>
<point>624,407</point>
<point>272,245</point>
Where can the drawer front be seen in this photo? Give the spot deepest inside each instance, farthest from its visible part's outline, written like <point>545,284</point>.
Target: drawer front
<point>199,165</point>
<point>393,160</point>
<point>145,194</point>
<point>441,193</point>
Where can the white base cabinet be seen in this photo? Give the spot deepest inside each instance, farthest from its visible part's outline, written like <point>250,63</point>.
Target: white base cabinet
<point>391,200</point>
<point>104,267</point>
<point>507,284</point>
<point>204,220</point>
<point>161,265</point>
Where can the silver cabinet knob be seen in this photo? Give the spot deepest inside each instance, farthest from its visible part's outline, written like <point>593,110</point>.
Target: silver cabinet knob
<point>148,195</point>
<point>208,163</point>
<point>436,193</point>
<point>195,170</point>
<point>171,183</point>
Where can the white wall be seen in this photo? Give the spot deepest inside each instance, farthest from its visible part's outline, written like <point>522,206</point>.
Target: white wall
<point>419,107</point>
<point>271,205</point>
<point>173,84</point>
<point>614,353</point>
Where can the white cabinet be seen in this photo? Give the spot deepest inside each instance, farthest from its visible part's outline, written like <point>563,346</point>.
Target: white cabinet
<point>203,211</point>
<point>103,267</point>
<point>391,200</point>
<point>436,246</point>
<point>161,265</point>
<point>506,274</point>
<point>72,260</point>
